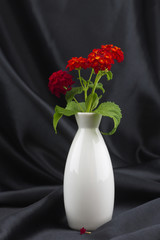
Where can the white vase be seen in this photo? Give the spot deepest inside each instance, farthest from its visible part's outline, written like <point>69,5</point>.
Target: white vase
<point>88,177</point>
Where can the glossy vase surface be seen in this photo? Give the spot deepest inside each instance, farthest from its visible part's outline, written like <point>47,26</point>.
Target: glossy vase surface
<point>88,177</point>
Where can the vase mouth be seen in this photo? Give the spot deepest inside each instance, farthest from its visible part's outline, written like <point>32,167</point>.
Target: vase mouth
<point>87,113</point>
<point>88,119</point>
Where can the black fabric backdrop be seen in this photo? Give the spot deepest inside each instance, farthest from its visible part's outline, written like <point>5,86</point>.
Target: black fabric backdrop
<point>37,38</point>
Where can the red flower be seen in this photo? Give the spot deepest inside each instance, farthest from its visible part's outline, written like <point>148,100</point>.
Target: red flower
<point>116,52</point>
<point>103,58</point>
<point>77,63</point>
<point>60,82</point>
<point>100,60</point>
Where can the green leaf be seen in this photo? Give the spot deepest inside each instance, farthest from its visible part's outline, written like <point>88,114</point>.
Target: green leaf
<point>99,86</point>
<point>59,112</point>
<point>74,91</point>
<point>94,99</point>
<point>71,109</point>
<point>83,106</point>
<point>112,110</point>
<point>109,75</point>
<point>56,117</point>
<point>75,107</point>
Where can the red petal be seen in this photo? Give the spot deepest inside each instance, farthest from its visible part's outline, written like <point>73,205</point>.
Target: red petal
<point>82,230</point>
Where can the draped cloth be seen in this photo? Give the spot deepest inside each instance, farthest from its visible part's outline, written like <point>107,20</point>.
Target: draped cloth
<point>39,37</point>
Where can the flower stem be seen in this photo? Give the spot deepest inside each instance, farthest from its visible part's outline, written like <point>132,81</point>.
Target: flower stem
<point>85,94</point>
<point>84,87</point>
<point>88,82</point>
<point>79,76</point>
<point>98,77</point>
<point>78,104</point>
<point>90,76</point>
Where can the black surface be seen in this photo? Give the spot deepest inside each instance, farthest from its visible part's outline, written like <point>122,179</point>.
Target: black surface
<point>37,38</point>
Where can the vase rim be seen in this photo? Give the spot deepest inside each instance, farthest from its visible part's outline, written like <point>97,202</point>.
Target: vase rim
<point>87,113</point>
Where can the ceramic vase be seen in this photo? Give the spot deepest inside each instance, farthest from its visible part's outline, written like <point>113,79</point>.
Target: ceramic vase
<point>88,178</point>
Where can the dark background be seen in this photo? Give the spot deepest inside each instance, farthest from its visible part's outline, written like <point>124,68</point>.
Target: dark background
<point>37,37</point>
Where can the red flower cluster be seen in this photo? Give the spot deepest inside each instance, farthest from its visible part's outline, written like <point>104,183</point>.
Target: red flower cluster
<point>60,82</point>
<point>98,59</point>
<point>116,52</point>
<point>75,63</point>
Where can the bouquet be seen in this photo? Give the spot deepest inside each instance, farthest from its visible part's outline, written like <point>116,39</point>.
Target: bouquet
<point>99,61</point>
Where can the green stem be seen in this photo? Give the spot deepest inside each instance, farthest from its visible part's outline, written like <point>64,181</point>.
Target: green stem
<point>79,76</point>
<point>98,77</point>
<point>89,80</point>
<point>85,88</point>
<point>90,76</point>
<point>85,94</point>
<point>78,104</point>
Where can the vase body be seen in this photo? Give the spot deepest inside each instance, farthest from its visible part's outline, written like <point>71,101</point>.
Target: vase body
<point>88,177</point>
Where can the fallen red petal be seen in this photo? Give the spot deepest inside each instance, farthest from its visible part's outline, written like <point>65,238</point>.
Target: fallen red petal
<point>82,231</point>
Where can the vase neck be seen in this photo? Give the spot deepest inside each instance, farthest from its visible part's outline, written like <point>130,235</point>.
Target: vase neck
<point>88,120</point>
